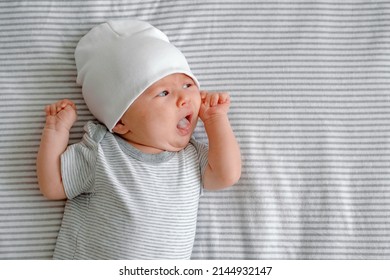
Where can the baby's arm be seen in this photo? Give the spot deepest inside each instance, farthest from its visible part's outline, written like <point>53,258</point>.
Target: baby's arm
<point>60,117</point>
<point>224,158</point>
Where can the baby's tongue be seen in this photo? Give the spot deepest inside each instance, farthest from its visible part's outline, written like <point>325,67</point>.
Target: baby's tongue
<point>183,123</point>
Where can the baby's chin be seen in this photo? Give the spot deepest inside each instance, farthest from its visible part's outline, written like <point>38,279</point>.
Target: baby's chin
<point>176,147</point>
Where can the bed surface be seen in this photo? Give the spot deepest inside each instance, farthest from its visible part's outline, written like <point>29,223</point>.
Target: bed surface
<point>310,87</point>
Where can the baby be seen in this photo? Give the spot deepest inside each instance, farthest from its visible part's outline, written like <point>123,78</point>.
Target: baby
<point>133,184</point>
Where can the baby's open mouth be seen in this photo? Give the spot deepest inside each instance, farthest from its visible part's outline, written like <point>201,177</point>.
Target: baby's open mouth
<point>185,122</point>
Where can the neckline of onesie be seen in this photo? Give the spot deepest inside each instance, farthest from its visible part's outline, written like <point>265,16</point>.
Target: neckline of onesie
<point>141,156</point>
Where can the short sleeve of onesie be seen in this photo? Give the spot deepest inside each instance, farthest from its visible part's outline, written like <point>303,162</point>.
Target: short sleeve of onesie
<point>202,152</point>
<point>79,160</point>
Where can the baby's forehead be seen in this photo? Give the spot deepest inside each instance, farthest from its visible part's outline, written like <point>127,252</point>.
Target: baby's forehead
<point>175,78</point>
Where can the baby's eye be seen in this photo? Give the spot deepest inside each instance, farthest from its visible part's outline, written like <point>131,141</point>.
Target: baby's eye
<point>163,93</point>
<point>187,85</point>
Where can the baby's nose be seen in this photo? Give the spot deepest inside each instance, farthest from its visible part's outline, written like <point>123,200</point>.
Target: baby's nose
<point>183,99</point>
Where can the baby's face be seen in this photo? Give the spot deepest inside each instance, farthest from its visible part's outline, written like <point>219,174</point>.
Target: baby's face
<point>164,116</point>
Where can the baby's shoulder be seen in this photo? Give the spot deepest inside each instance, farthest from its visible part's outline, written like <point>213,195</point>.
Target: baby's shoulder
<point>198,146</point>
<point>95,131</point>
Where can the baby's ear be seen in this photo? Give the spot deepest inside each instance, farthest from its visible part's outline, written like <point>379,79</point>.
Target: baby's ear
<point>120,128</point>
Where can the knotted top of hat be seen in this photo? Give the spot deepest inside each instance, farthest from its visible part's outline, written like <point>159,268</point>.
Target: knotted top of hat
<point>118,60</point>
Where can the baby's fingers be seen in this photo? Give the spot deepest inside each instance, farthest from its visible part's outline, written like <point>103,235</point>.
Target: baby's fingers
<point>224,98</point>
<point>65,102</point>
<point>55,108</point>
<point>218,98</point>
<point>51,110</point>
<point>214,99</point>
<point>203,94</point>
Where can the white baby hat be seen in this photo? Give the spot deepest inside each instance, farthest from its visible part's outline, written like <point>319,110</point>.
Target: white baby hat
<point>117,60</point>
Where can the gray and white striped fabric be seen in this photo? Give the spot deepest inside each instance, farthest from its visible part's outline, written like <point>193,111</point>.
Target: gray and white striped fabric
<point>310,86</point>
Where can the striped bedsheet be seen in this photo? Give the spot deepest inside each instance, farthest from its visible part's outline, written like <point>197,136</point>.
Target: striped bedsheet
<point>310,87</point>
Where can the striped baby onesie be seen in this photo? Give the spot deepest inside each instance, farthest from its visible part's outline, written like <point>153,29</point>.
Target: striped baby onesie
<point>124,204</point>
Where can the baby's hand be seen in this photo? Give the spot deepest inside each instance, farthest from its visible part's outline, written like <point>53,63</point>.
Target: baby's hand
<point>213,104</point>
<point>60,115</point>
